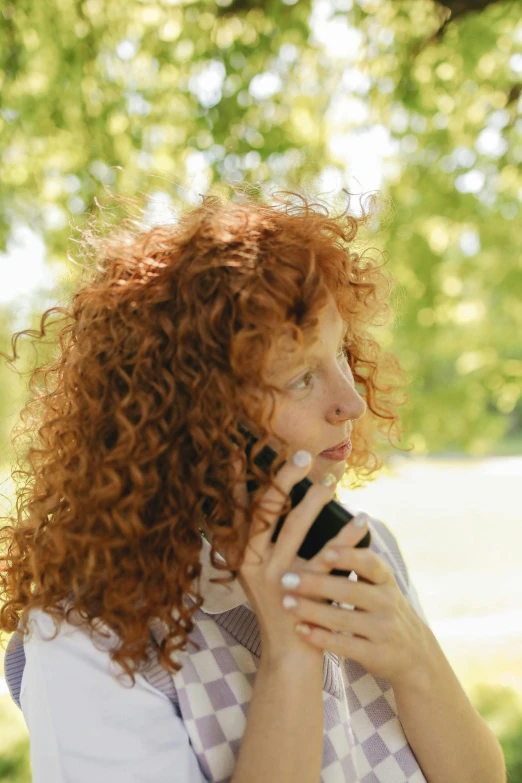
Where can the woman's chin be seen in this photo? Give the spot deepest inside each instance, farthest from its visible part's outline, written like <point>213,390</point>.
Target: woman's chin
<point>327,466</point>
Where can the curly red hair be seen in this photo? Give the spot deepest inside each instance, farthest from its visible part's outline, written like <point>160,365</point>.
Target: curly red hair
<point>164,347</point>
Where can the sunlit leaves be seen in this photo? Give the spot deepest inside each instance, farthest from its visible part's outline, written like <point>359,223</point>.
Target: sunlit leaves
<point>140,95</point>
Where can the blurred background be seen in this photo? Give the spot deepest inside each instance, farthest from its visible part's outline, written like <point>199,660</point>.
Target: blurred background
<point>415,104</point>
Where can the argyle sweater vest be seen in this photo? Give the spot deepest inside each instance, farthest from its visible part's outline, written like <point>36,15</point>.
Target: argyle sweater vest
<point>363,739</point>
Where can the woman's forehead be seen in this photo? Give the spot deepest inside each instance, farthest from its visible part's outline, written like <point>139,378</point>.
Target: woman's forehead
<point>285,347</point>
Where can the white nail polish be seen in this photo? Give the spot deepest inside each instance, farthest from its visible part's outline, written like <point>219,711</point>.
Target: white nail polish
<point>361,519</point>
<point>302,458</point>
<point>290,581</point>
<point>329,480</point>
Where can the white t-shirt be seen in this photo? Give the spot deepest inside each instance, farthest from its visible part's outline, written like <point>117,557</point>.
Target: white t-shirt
<point>85,726</point>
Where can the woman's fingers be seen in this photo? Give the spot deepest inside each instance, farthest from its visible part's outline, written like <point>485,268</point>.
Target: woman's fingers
<point>272,500</point>
<point>366,563</point>
<point>323,588</point>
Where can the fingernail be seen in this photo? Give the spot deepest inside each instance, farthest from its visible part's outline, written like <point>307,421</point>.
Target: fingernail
<point>290,580</point>
<point>302,458</point>
<point>289,602</point>
<point>302,628</point>
<point>328,480</point>
<point>330,555</point>
<point>361,519</point>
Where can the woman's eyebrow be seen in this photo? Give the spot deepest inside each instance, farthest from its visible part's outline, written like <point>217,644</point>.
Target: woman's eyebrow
<point>344,328</point>
<point>283,364</point>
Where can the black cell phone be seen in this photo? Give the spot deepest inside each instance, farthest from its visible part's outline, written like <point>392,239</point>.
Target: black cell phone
<point>328,523</point>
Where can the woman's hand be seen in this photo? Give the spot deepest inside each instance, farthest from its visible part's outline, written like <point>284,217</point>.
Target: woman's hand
<point>264,562</point>
<point>382,632</point>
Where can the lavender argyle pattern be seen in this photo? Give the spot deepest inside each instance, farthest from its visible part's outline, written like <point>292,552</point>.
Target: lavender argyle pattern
<point>363,740</point>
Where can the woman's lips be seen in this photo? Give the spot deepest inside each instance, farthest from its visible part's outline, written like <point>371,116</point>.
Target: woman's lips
<point>338,454</point>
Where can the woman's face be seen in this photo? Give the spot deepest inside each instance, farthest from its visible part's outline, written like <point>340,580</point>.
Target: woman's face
<point>317,381</point>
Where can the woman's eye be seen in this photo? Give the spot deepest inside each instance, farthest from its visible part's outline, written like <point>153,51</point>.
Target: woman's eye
<point>341,355</point>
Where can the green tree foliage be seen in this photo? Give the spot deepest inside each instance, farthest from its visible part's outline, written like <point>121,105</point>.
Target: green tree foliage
<point>192,95</point>
<point>501,708</point>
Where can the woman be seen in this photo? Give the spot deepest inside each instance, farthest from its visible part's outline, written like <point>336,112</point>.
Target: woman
<point>242,315</point>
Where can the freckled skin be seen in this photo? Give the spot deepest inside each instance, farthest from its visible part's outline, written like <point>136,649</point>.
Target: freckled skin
<point>306,416</point>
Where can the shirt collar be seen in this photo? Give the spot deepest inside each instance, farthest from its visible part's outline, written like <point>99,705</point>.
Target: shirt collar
<point>218,598</point>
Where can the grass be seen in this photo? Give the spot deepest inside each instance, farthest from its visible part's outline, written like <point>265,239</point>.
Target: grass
<point>15,765</point>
